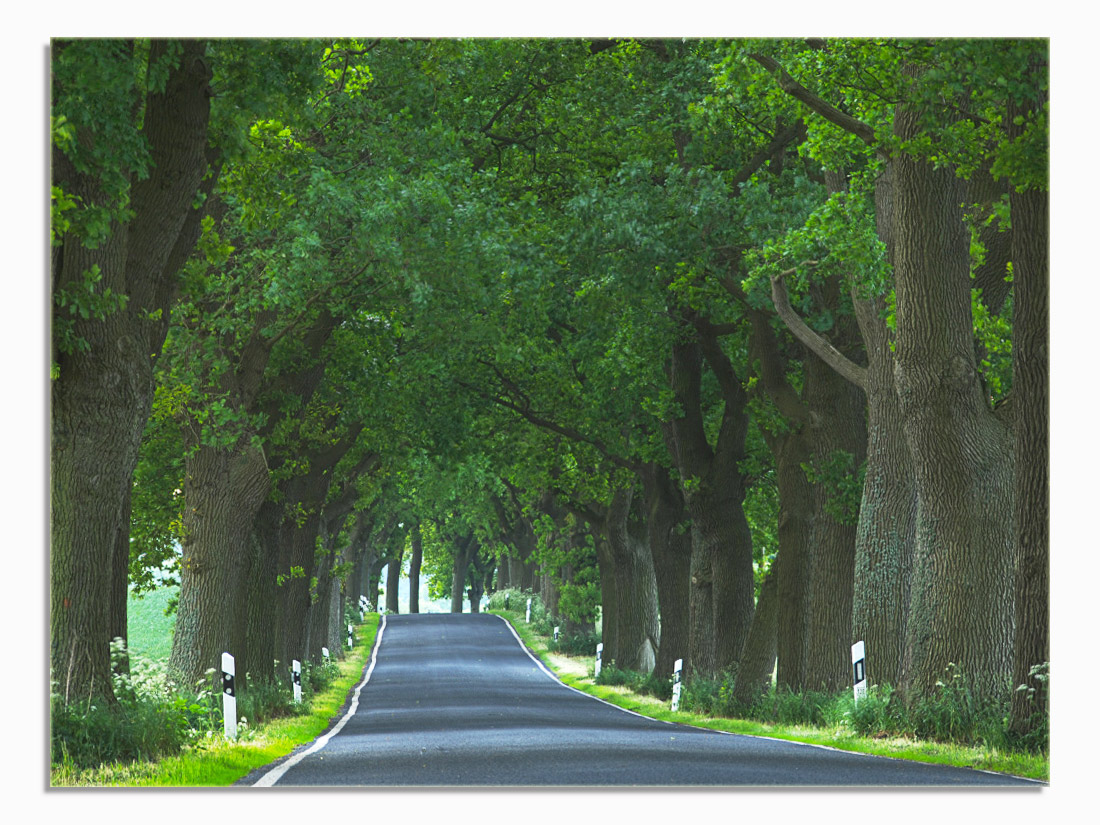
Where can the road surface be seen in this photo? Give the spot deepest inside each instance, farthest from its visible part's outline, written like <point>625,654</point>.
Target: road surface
<point>456,700</point>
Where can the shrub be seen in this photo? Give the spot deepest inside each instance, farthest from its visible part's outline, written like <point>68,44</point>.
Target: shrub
<point>147,720</point>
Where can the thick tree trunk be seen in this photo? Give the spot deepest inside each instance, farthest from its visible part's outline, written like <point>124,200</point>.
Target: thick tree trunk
<point>609,598</point>
<point>838,431</point>
<point>638,635</point>
<point>793,533</point>
<point>223,491</point>
<point>101,400</point>
<point>320,611</point>
<point>962,587</point>
<point>297,546</point>
<point>754,676</point>
<point>262,637</point>
<point>721,568</point>
<point>1031,394</point>
<point>886,532</point>
<point>120,582</point>
<point>670,546</point>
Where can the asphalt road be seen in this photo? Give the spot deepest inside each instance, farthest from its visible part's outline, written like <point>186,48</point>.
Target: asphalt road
<point>456,700</point>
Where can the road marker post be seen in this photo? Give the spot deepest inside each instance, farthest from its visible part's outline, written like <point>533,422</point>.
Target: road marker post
<point>556,629</point>
<point>351,641</point>
<point>296,677</point>
<point>599,660</point>
<point>229,696</point>
<point>364,607</point>
<point>859,671</point>
<point>676,684</point>
<point>324,652</point>
<point>528,611</point>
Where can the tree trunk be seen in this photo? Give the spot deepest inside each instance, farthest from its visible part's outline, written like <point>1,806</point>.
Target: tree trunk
<point>120,583</point>
<point>886,532</point>
<point>393,583</point>
<point>721,569</point>
<point>638,634</point>
<point>223,491</point>
<point>297,546</point>
<point>609,598</point>
<point>414,568</point>
<point>102,397</point>
<point>962,587</point>
<point>670,547</point>
<point>793,532</point>
<point>1030,389</point>
<point>459,571</point>
<point>262,636</point>
<point>754,676</point>
<point>839,434</point>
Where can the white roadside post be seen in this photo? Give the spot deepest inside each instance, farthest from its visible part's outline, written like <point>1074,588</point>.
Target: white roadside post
<point>676,676</point>
<point>229,696</point>
<point>859,671</point>
<point>599,660</point>
<point>556,629</point>
<point>324,652</point>
<point>528,611</point>
<point>351,642</point>
<point>364,606</point>
<point>296,677</point>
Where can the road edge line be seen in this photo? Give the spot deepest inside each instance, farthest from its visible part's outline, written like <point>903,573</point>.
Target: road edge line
<point>833,748</point>
<point>275,774</point>
<point>557,679</point>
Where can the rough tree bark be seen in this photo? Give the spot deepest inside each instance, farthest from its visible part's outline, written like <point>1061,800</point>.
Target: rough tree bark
<point>638,633</point>
<point>1030,388</point>
<point>102,397</point>
<point>670,546</point>
<point>790,448</point>
<point>223,492</point>
<point>962,585</point>
<point>714,490</point>
<point>754,676</point>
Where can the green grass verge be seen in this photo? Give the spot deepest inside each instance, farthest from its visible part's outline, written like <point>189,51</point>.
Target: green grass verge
<point>219,762</point>
<point>575,671</point>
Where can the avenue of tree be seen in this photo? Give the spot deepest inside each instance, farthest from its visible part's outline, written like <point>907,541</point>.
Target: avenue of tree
<point>740,345</point>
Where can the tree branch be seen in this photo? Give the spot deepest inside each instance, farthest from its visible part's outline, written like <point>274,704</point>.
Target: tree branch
<point>832,114</point>
<point>814,342</point>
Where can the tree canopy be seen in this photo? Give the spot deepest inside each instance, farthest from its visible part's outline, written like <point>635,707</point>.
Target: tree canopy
<point>643,324</point>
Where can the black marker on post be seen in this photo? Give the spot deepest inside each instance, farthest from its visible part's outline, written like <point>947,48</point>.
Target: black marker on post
<point>859,671</point>
<point>229,696</point>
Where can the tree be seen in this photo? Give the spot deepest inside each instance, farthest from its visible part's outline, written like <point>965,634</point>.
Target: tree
<point>129,159</point>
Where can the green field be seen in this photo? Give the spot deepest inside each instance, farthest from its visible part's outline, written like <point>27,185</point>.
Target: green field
<point>150,631</point>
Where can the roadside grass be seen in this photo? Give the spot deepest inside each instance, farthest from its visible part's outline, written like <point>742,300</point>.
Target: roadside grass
<point>576,672</point>
<point>215,761</point>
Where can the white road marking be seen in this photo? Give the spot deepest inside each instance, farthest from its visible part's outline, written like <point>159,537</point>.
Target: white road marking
<point>276,773</point>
